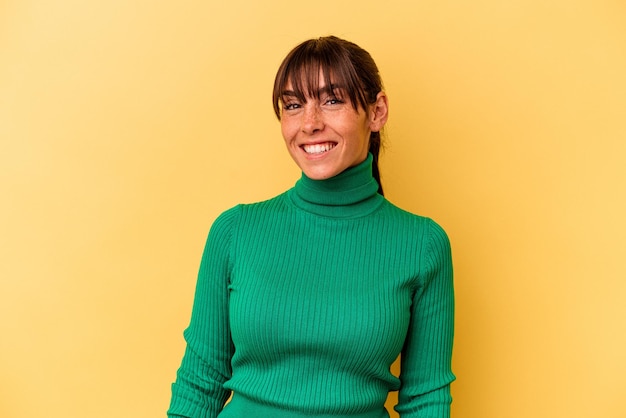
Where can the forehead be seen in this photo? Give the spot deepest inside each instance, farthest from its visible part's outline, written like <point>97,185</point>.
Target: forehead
<point>307,83</point>
<point>309,76</point>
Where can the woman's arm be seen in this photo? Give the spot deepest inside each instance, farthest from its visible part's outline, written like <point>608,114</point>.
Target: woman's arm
<point>198,390</point>
<point>427,355</point>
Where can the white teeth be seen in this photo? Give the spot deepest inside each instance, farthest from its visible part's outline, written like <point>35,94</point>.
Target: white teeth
<point>318,148</point>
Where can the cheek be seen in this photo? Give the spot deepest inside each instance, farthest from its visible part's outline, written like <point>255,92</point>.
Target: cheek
<point>361,134</point>
<point>287,129</point>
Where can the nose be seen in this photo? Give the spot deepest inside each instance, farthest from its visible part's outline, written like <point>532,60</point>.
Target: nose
<point>312,120</point>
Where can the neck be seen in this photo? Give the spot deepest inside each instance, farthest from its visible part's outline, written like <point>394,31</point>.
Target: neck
<point>352,193</point>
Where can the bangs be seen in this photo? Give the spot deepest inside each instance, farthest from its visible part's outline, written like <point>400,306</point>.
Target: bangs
<point>303,66</point>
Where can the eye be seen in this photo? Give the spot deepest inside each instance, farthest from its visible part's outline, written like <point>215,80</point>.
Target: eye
<point>291,106</point>
<point>333,100</point>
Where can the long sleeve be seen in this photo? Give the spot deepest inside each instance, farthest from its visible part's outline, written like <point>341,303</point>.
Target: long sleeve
<point>198,391</point>
<point>426,357</point>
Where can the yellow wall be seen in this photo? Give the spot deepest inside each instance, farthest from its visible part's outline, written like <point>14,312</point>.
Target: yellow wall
<point>127,127</point>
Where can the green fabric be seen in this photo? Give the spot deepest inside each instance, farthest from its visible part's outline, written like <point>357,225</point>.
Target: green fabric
<point>304,301</point>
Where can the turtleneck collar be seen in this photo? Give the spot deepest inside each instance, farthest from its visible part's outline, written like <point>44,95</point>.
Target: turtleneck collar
<point>351,193</point>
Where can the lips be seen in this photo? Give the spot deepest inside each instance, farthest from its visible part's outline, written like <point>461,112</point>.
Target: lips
<point>318,148</point>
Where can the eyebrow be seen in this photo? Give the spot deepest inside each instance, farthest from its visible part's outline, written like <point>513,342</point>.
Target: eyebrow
<point>321,91</point>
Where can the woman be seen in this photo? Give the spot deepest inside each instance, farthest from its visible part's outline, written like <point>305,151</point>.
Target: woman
<point>304,301</point>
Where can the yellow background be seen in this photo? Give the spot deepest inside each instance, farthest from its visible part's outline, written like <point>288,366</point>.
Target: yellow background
<point>126,127</point>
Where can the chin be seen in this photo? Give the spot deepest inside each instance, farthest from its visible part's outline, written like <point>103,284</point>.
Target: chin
<point>320,174</point>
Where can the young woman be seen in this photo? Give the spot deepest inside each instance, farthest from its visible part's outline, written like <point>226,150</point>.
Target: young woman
<point>304,301</point>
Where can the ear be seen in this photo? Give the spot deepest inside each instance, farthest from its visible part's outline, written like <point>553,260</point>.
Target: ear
<point>379,111</point>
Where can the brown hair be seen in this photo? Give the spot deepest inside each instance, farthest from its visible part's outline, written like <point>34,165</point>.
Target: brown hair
<point>350,66</point>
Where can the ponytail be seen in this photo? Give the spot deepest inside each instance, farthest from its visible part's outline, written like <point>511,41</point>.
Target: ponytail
<point>374,149</point>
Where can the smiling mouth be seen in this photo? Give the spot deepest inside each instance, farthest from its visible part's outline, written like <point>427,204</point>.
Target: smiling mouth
<point>318,148</point>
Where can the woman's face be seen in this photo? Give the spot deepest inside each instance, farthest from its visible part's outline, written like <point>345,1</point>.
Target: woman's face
<point>325,135</point>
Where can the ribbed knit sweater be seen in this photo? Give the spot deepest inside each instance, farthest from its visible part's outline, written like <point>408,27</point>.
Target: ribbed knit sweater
<point>304,301</point>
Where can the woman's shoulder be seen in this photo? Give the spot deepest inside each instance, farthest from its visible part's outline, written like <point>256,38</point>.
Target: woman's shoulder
<point>412,222</point>
<point>405,215</point>
<point>245,210</point>
<point>261,207</point>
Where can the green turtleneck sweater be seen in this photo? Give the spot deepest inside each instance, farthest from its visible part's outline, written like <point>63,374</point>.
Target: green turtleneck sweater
<point>304,301</point>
